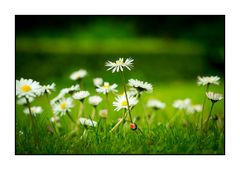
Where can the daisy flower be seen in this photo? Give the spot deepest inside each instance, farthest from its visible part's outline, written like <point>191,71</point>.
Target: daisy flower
<point>121,102</point>
<point>106,88</point>
<point>98,81</point>
<point>140,85</point>
<point>214,97</point>
<point>81,95</point>
<point>156,104</point>
<point>28,88</point>
<point>120,64</point>
<point>197,107</point>
<point>181,104</point>
<point>208,80</point>
<point>94,100</point>
<point>55,119</point>
<point>103,113</point>
<point>71,89</point>
<point>34,110</point>
<point>87,122</point>
<point>23,101</point>
<point>64,105</point>
<point>78,75</point>
<point>48,88</point>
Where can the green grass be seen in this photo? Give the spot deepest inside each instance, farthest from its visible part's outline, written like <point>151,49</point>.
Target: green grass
<point>163,137</point>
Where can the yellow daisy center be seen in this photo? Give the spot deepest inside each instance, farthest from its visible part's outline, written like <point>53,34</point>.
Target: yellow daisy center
<point>26,88</point>
<point>119,62</point>
<point>106,86</point>
<point>63,105</point>
<point>124,103</point>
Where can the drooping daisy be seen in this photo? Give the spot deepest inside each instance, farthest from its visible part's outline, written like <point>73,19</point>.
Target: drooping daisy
<point>120,64</point>
<point>94,100</point>
<point>23,101</point>
<point>140,85</point>
<point>28,88</point>
<point>214,97</point>
<point>103,113</point>
<point>62,106</point>
<point>48,88</point>
<point>87,122</point>
<point>155,104</point>
<point>71,89</point>
<point>121,102</point>
<point>81,95</point>
<point>106,88</point>
<point>181,104</point>
<point>208,80</point>
<point>34,110</point>
<point>78,75</point>
<point>98,81</point>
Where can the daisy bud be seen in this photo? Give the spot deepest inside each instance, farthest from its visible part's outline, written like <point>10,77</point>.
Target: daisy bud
<point>133,126</point>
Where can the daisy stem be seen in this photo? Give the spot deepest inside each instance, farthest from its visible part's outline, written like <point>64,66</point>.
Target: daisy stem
<point>210,112</point>
<point>80,109</point>
<point>125,91</point>
<point>108,106</point>
<point>204,101</point>
<point>32,121</point>
<point>54,123</point>
<point>94,112</point>
<point>144,110</point>
<point>71,117</point>
<point>119,122</point>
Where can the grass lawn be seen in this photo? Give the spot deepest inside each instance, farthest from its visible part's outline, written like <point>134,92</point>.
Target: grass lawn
<point>166,131</point>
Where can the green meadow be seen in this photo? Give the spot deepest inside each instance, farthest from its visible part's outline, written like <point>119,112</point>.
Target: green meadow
<point>170,59</point>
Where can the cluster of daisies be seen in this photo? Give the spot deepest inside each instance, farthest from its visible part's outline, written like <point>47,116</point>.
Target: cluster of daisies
<point>62,104</point>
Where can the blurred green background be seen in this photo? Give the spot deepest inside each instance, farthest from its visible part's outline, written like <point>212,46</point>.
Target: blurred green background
<point>165,48</point>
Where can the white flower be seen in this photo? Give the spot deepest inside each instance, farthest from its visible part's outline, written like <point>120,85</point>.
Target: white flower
<point>208,80</point>
<point>140,85</point>
<point>132,92</point>
<point>106,88</point>
<point>48,88</point>
<point>71,89</point>
<point>94,100</point>
<point>103,113</point>
<point>156,104</point>
<point>62,106</point>
<point>34,110</point>
<point>182,104</point>
<point>28,88</point>
<point>197,107</point>
<point>214,97</point>
<point>55,119</point>
<point>81,95</point>
<point>121,102</point>
<point>87,122</point>
<point>98,81</point>
<point>77,75</point>
<point>120,64</point>
<point>23,101</point>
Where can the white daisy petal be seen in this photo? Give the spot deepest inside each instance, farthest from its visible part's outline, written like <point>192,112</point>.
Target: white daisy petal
<point>214,97</point>
<point>121,102</point>
<point>28,88</point>
<point>106,88</point>
<point>81,95</point>
<point>119,64</point>
<point>77,75</point>
<point>208,80</point>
